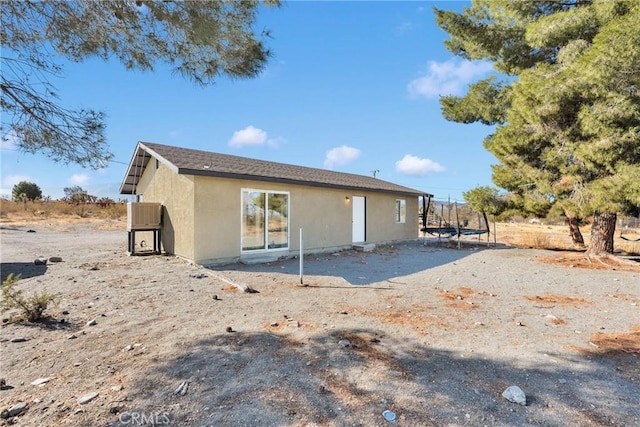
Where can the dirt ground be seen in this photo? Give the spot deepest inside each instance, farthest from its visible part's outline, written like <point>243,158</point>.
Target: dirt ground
<point>431,333</point>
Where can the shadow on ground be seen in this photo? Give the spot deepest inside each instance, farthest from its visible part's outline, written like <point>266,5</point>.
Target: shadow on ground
<point>24,269</point>
<point>364,268</point>
<point>268,379</point>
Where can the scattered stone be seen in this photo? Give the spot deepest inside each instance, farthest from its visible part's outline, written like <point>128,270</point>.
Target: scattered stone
<point>515,394</point>
<point>199,276</point>
<point>342,312</point>
<point>273,324</point>
<point>389,416</point>
<point>88,398</point>
<point>229,329</point>
<point>117,388</point>
<point>344,343</point>
<point>55,259</point>
<point>92,322</point>
<point>18,339</point>
<point>31,230</point>
<point>182,388</point>
<point>40,381</point>
<point>65,312</point>
<point>128,348</point>
<point>40,261</point>
<point>72,337</point>
<point>17,409</point>
<point>215,297</point>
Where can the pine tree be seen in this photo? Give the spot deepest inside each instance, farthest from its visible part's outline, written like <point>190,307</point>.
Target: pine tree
<point>567,114</point>
<point>201,40</point>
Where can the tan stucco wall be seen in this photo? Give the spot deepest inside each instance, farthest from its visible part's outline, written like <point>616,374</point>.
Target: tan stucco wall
<point>381,218</point>
<point>202,221</point>
<point>324,214</point>
<point>176,194</point>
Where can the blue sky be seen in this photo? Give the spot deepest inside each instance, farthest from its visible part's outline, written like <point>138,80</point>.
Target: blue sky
<point>352,87</point>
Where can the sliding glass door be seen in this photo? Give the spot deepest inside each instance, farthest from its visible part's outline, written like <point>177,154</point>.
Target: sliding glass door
<point>265,220</point>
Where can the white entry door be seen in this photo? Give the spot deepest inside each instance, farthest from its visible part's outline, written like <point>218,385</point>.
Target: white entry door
<point>358,219</point>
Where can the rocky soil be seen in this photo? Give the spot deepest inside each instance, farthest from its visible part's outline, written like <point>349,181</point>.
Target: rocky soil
<point>412,334</point>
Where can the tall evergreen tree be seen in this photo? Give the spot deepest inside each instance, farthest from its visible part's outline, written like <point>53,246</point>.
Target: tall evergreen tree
<point>567,114</point>
<point>201,40</point>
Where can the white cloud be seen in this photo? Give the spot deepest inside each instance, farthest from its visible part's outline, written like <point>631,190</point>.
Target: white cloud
<point>79,178</point>
<point>413,165</point>
<point>248,136</point>
<point>9,142</point>
<point>448,78</point>
<point>253,136</point>
<point>9,181</point>
<point>340,156</point>
<point>276,142</point>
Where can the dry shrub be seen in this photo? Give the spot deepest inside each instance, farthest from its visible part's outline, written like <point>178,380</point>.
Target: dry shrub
<point>46,209</point>
<point>536,240</point>
<point>31,308</point>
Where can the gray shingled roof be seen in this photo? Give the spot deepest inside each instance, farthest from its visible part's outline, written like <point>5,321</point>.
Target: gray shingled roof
<point>196,162</point>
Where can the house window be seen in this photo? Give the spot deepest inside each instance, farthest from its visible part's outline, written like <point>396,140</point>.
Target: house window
<point>401,210</point>
<point>265,220</point>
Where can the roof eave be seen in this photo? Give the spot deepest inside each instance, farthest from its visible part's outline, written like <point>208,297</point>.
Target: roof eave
<point>186,171</point>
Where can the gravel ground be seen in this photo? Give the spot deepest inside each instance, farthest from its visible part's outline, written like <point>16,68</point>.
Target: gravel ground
<point>430,333</point>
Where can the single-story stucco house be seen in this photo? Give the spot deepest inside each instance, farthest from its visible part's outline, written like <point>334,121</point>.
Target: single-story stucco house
<point>219,208</point>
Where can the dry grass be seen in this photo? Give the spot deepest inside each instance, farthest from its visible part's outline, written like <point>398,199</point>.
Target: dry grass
<point>18,213</point>
<point>626,342</point>
<point>558,299</point>
<point>556,237</point>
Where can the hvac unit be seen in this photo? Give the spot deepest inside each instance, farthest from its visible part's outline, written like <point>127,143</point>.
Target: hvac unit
<point>144,216</point>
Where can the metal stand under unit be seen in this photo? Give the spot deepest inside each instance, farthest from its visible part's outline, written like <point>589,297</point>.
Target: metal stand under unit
<point>144,217</point>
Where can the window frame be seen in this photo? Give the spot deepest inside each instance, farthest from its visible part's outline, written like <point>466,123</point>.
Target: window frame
<point>401,211</point>
<point>265,221</point>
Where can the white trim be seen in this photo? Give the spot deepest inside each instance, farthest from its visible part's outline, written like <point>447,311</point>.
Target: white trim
<point>266,249</point>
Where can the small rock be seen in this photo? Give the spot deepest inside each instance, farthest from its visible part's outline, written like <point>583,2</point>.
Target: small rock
<point>17,409</point>
<point>88,397</point>
<point>40,381</point>
<point>65,312</point>
<point>18,339</point>
<point>215,297</point>
<point>515,394</point>
<point>92,322</point>
<point>182,388</point>
<point>72,337</point>
<point>389,416</point>
<point>40,261</point>
<point>31,230</point>
<point>229,329</point>
<point>128,348</point>
<point>273,324</point>
<point>344,343</point>
<point>117,388</point>
<point>55,259</point>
